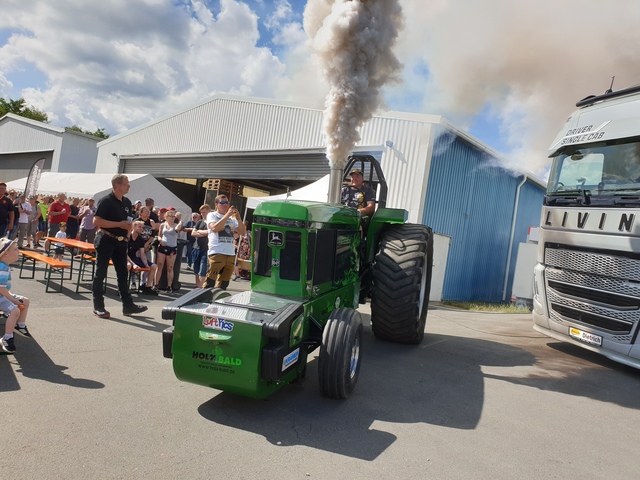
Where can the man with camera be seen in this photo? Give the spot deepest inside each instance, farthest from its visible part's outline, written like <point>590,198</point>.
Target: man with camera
<point>222,222</point>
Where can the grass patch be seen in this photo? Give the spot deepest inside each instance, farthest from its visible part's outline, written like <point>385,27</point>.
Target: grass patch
<point>486,307</point>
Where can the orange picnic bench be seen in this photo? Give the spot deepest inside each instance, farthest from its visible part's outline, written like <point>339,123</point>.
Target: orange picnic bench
<point>51,266</point>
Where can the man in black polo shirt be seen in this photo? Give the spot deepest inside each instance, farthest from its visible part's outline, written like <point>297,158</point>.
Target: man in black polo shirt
<point>114,215</point>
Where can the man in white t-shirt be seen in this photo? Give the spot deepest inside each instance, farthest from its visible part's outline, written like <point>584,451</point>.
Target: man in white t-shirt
<point>222,223</point>
<point>24,207</point>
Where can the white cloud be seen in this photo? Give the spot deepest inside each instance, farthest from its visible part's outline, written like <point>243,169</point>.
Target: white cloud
<point>121,63</point>
<point>282,13</point>
<point>4,84</point>
<point>530,61</point>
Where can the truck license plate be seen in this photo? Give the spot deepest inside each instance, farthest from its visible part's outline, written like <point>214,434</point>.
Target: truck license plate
<point>586,337</point>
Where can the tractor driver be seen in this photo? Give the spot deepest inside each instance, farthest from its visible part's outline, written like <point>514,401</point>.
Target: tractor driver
<point>359,196</point>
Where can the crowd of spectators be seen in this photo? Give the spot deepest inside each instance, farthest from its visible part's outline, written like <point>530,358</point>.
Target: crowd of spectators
<point>157,235</point>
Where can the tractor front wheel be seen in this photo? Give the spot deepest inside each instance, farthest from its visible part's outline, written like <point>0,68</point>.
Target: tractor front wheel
<point>340,353</point>
<point>401,283</point>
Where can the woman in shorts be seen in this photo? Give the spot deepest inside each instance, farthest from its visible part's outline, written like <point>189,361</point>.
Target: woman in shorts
<point>168,248</point>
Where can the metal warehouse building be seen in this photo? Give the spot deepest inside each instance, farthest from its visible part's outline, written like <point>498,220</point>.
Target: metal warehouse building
<point>442,176</point>
<point>24,141</point>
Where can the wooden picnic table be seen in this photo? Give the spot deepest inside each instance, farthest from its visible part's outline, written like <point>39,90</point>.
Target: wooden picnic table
<point>72,243</point>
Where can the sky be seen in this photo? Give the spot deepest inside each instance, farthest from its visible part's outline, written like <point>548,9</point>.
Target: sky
<point>507,72</point>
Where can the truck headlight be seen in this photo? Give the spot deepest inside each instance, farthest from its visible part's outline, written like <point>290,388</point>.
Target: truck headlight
<point>539,296</point>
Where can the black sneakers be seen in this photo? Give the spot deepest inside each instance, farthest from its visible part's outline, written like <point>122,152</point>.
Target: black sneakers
<point>148,291</point>
<point>133,310</point>
<point>101,312</point>
<point>7,345</point>
<point>128,311</point>
<point>24,331</point>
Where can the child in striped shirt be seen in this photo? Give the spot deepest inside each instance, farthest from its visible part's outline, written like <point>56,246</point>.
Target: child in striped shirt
<point>15,307</point>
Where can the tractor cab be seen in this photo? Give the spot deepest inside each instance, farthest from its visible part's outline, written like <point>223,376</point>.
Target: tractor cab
<point>372,176</point>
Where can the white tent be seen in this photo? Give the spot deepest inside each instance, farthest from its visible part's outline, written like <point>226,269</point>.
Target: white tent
<point>97,185</point>
<point>317,191</point>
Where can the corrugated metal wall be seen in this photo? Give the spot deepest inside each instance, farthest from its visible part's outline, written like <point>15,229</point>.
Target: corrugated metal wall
<point>23,135</point>
<point>78,153</point>
<point>265,166</point>
<point>220,125</point>
<point>471,199</point>
<point>26,136</point>
<point>405,161</point>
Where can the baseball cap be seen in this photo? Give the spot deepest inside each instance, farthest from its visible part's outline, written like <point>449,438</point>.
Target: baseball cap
<point>5,243</point>
<point>356,171</point>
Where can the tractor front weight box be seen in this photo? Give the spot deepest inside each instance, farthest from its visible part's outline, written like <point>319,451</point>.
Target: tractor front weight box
<point>249,343</point>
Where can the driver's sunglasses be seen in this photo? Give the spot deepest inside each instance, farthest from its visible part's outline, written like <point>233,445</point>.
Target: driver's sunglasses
<point>223,202</point>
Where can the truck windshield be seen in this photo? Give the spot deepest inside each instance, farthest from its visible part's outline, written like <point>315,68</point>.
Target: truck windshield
<point>597,169</point>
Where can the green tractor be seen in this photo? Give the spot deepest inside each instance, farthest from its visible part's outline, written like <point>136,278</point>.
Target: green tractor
<point>312,266</point>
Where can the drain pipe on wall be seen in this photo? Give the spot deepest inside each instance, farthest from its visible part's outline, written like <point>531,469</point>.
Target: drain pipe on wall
<point>513,232</point>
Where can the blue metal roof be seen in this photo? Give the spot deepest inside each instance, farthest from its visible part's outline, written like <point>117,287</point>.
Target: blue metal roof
<point>471,198</point>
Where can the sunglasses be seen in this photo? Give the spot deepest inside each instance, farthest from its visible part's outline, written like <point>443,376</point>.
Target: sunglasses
<point>223,202</point>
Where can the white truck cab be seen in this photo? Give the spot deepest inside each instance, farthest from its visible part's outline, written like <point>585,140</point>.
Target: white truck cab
<point>587,279</point>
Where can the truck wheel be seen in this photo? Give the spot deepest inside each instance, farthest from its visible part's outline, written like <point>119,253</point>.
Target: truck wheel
<point>401,283</point>
<point>339,358</point>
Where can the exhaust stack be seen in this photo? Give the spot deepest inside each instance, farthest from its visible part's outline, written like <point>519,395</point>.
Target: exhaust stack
<point>335,184</point>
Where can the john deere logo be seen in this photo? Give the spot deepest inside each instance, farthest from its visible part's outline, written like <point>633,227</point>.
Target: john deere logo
<point>275,238</point>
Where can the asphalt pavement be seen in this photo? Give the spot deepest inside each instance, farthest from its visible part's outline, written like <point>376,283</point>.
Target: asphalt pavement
<point>484,396</point>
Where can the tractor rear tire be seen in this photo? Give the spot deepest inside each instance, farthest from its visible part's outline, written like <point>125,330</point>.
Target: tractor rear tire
<point>401,283</point>
<point>340,353</point>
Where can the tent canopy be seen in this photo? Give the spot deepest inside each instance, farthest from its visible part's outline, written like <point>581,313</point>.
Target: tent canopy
<point>97,185</point>
<point>317,191</point>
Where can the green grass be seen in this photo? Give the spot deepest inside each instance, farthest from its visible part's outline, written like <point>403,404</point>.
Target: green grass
<point>486,307</point>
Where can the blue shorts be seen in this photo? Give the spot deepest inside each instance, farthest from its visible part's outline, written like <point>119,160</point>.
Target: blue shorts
<point>200,262</point>
<point>6,305</point>
<point>138,261</point>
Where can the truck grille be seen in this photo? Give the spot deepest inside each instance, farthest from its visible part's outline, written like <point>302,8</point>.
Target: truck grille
<point>594,288</point>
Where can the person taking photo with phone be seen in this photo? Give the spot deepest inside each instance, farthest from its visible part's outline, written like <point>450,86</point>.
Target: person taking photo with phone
<point>222,222</point>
